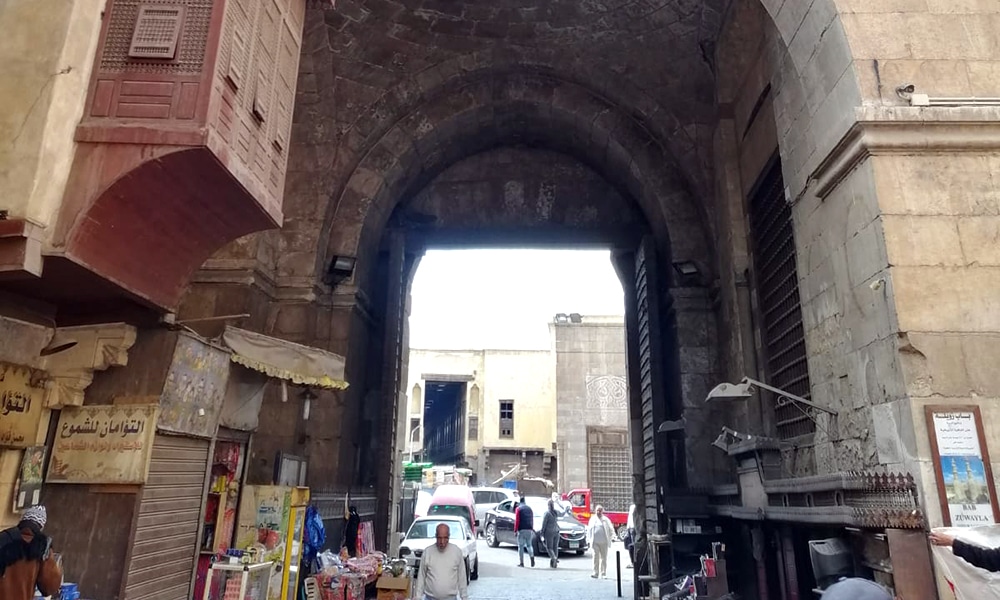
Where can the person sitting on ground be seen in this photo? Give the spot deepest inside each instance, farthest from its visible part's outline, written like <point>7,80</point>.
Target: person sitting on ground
<point>26,559</point>
<point>984,558</point>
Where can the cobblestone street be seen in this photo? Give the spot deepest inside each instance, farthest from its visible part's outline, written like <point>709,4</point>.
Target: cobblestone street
<point>501,579</point>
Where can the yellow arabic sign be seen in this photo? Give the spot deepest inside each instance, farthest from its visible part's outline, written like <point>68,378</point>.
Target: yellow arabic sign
<point>20,406</point>
<point>103,444</point>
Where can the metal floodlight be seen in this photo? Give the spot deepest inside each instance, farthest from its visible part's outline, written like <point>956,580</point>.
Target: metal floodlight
<point>58,343</point>
<point>668,426</point>
<point>728,437</point>
<point>744,389</point>
<point>341,268</point>
<point>575,318</point>
<point>562,318</point>
<point>686,268</point>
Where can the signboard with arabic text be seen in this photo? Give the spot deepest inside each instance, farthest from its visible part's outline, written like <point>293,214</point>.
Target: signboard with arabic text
<point>21,395</point>
<point>962,466</point>
<point>103,444</point>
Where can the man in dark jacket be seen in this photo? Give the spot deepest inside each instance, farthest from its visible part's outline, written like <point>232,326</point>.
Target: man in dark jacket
<point>984,558</point>
<point>524,529</point>
<point>26,559</point>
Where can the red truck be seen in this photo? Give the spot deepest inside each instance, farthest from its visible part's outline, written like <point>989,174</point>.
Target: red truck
<point>615,508</point>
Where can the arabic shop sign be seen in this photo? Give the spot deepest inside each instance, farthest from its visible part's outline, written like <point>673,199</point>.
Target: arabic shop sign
<point>21,395</point>
<point>103,444</point>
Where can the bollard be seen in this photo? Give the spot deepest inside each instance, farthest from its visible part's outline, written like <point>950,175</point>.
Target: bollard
<point>618,569</point>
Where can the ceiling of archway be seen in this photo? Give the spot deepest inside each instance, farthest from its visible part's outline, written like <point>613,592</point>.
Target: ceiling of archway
<point>369,66</point>
<point>659,49</point>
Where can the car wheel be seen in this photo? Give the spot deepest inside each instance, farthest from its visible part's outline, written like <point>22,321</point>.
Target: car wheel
<point>491,536</point>
<point>622,532</point>
<point>475,570</point>
<point>468,574</point>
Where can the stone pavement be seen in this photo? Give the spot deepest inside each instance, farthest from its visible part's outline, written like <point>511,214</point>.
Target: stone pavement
<point>501,579</point>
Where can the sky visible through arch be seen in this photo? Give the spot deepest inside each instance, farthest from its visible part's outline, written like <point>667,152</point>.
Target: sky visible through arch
<point>505,299</point>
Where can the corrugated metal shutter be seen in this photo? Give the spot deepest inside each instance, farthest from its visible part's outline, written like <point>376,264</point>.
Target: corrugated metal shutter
<point>166,537</point>
<point>646,296</point>
<point>776,284</point>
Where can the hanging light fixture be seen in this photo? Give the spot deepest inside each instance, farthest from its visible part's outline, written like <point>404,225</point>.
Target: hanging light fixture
<point>307,396</point>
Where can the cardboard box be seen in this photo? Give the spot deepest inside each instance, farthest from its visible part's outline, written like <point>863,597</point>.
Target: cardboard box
<point>393,588</point>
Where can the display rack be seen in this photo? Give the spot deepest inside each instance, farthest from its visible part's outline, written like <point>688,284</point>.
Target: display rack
<point>227,581</point>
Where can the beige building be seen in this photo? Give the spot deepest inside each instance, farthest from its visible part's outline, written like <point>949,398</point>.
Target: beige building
<point>507,402</point>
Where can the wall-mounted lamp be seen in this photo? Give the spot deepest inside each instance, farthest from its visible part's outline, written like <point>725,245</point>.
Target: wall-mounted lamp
<point>688,273</point>
<point>58,343</point>
<point>307,396</point>
<point>728,437</point>
<point>744,389</point>
<point>340,269</point>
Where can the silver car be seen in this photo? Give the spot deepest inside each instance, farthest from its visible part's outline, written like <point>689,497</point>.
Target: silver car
<point>422,535</point>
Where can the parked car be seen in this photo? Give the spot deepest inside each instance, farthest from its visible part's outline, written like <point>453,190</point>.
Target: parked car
<point>422,535</point>
<point>455,500</point>
<point>487,498</point>
<point>500,526</point>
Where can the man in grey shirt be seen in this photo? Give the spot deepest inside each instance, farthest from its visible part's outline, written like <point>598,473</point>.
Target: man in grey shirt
<point>442,570</point>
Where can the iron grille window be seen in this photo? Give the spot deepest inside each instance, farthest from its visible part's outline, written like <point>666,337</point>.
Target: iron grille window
<point>779,308</point>
<point>506,418</point>
<point>473,428</point>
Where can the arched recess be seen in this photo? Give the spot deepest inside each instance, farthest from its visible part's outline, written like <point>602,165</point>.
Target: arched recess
<point>416,401</point>
<point>517,108</point>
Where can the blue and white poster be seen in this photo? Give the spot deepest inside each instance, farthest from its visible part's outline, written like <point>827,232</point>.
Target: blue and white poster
<point>962,470</point>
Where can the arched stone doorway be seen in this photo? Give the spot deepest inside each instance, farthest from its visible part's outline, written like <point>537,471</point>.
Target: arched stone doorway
<point>515,157</point>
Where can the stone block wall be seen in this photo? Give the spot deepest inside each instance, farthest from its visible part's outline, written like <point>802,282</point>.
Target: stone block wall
<point>591,390</point>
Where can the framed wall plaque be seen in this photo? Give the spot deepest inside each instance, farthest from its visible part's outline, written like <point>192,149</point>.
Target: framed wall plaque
<point>962,466</point>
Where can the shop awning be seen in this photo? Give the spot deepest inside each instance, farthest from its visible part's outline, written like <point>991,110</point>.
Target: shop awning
<point>292,362</point>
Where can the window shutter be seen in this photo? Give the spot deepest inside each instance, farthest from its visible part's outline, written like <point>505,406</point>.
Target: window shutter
<point>157,29</point>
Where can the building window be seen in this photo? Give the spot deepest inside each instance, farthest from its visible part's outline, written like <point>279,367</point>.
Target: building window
<point>473,428</point>
<point>416,400</point>
<point>506,419</point>
<point>414,434</point>
<point>776,283</point>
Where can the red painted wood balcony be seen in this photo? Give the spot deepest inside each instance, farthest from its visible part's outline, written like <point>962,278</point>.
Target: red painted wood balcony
<point>182,147</point>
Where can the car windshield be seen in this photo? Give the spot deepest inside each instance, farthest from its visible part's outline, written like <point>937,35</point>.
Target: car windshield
<point>426,530</point>
<point>452,510</point>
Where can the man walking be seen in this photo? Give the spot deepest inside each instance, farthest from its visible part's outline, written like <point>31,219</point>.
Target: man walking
<point>26,559</point>
<point>601,532</point>
<point>442,570</point>
<point>524,529</point>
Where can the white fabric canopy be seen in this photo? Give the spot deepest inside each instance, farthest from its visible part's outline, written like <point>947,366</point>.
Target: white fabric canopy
<point>293,362</point>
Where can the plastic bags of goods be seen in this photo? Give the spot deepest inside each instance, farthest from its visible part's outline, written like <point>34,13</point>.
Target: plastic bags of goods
<point>966,581</point>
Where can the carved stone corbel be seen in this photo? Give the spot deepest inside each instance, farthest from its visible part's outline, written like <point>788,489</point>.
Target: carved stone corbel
<point>71,371</point>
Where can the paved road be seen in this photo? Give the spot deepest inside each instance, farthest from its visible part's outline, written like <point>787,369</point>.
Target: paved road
<point>501,579</point>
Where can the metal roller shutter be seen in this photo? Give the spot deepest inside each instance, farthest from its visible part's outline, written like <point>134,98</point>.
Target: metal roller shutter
<point>166,536</point>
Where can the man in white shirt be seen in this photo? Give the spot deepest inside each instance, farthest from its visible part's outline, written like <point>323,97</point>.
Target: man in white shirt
<point>442,570</point>
<point>601,532</point>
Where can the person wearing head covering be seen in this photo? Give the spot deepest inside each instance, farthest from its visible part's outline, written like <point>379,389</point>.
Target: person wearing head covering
<point>26,559</point>
<point>601,533</point>
<point>351,531</point>
<point>855,588</point>
<point>550,534</point>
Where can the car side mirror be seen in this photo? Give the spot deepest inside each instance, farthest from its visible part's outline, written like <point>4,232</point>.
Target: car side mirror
<point>404,551</point>
<point>477,522</point>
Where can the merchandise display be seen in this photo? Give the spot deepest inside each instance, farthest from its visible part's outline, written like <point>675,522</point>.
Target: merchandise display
<point>236,581</point>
